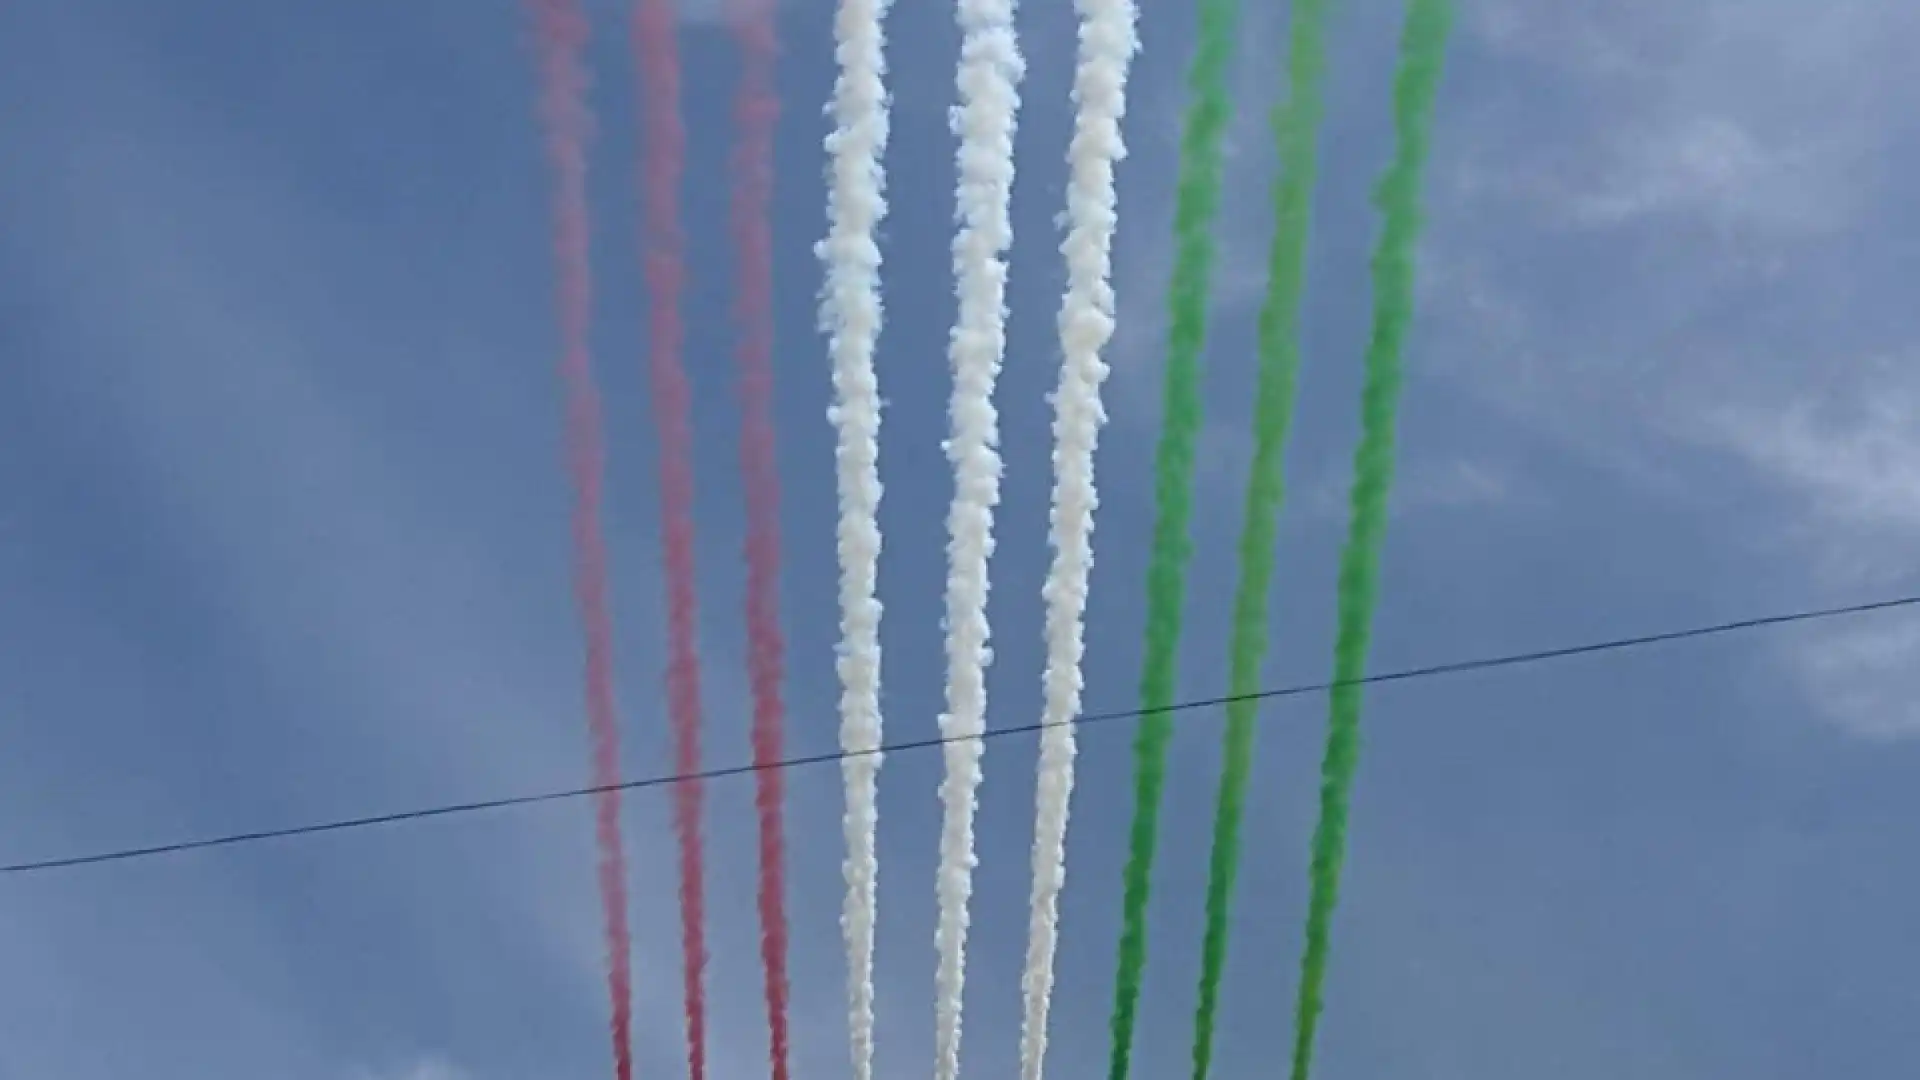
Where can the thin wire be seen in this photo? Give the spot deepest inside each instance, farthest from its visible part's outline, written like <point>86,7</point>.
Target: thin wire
<point>1084,720</point>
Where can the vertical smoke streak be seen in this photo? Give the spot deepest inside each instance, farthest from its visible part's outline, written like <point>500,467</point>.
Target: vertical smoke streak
<point>850,316</point>
<point>1423,48</point>
<point>562,35</point>
<point>1107,45</point>
<point>1197,199</point>
<point>656,54</point>
<point>1297,129</point>
<point>989,74</point>
<point>756,112</point>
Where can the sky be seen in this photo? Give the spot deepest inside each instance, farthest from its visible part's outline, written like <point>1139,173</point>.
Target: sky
<point>283,537</point>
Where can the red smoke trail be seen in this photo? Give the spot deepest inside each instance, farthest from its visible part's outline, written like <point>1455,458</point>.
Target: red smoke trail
<point>562,36</point>
<point>756,111</point>
<point>656,53</point>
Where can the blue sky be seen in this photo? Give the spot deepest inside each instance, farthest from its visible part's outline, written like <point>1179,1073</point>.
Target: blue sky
<point>283,537</point>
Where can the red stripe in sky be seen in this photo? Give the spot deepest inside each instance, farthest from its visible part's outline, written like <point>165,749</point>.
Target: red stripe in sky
<point>656,54</point>
<point>562,36</point>
<point>756,112</point>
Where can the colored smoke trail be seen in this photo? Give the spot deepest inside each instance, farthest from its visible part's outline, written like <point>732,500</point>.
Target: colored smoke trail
<point>757,111</point>
<point>1196,201</point>
<point>850,316</point>
<point>1297,129</point>
<point>1107,44</point>
<point>1423,48</point>
<point>656,54</point>
<point>989,75</point>
<point>562,36</point>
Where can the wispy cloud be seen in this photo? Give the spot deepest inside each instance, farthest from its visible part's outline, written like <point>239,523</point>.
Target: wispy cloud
<point>610,15</point>
<point>1666,260</point>
<point>1865,679</point>
<point>1145,246</point>
<point>369,581</point>
<point>430,1068</point>
<point>1446,483</point>
<point>1849,452</point>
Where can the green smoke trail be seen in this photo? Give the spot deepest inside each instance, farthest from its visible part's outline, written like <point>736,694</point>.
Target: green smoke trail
<point>1296,128</point>
<point>1195,203</point>
<point>1422,51</point>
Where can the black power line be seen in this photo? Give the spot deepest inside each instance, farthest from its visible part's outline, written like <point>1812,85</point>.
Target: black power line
<point>1084,720</point>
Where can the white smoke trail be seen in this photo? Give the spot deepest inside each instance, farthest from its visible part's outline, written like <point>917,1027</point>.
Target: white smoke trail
<point>850,315</point>
<point>1107,44</point>
<point>989,75</point>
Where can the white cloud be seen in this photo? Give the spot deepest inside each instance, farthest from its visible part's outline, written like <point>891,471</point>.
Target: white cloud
<point>1865,678</point>
<point>1575,37</point>
<point>1599,245</point>
<point>1145,249</point>
<point>697,12</point>
<point>1459,482</point>
<point>312,539</point>
<point>1419,484</point>
<point>1850,453</point>
<point>1753,117</point>
<point>430,1068</point>
<point>1846,452</point>
<point>1655,242</point>
<point>1713,167</point>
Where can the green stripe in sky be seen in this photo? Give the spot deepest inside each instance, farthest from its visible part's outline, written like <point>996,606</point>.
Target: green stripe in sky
<point>1197,199</point>
<point>1422,50</point>
<point>1297,130</point>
